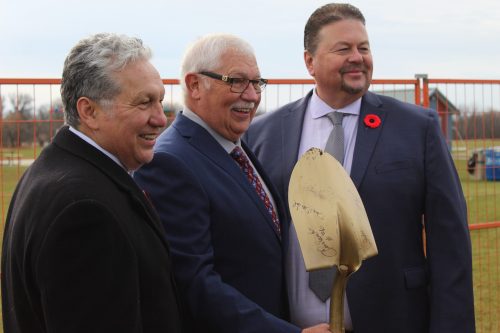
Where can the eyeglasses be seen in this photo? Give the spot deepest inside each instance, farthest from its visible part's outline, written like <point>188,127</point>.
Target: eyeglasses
<point>238,84</point>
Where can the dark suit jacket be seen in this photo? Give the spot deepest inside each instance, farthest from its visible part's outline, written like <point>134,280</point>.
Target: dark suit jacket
<point>83,249</point>
<point>403,171</point>
<point>228,258</point>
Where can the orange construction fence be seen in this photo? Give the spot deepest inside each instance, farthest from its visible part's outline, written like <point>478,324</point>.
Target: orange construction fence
<point>31,112</point>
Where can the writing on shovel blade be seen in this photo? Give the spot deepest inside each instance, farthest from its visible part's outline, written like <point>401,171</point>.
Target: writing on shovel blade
<point>325,205</point>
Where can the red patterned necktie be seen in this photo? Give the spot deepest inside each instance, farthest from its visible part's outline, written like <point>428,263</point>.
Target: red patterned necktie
<point>242,160</point>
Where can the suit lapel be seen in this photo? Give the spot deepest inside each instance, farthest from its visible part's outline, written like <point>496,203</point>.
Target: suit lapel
<point>291,132</point>
<point>278,206</point>
<point>366,139</point>
<point>68,141</point>
<point>205,144</point>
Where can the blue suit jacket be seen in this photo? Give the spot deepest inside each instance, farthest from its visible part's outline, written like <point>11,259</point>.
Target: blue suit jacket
<point>228,259</point>
<point>403,172</point>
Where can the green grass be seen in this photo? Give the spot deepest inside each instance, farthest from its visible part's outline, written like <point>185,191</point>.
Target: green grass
<point>486,262</point>
<point>11,172</point>
<point>8,180</point>
<point>483,203</point>
<point>483,197</point>
<point>22,152</point>
<point>9,176</point>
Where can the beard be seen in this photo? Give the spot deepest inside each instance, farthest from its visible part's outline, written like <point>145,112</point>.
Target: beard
<point>354,90</point>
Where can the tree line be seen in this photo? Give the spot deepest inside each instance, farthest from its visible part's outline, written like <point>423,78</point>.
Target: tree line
<point>22,124</point>
<point>477,125</point>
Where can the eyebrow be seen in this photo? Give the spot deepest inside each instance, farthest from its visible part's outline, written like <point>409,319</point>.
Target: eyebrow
<point>343,43</point>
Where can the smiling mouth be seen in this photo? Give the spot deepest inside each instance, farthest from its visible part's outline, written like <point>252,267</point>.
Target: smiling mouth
<point>352,70</point>
<point>149,137</point>
<point>242,110</point>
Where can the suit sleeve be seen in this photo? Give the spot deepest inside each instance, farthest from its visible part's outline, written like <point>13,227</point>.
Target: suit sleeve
<point>86,272</point>
<point>184,208</point>
<point>448,241</point>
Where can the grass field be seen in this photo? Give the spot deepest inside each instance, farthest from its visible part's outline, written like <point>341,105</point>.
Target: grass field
<point>486,262</point>
<point>483,202</point>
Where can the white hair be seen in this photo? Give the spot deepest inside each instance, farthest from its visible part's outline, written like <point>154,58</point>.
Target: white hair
<point>205,54</point>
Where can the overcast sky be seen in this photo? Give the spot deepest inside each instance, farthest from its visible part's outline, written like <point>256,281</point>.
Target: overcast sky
<point>442,38</point>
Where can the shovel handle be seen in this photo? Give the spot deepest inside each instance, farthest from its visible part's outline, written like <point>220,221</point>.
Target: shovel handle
<point>337,300</point>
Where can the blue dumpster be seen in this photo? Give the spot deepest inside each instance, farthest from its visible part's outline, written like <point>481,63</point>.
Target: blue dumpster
<point>492,163</point>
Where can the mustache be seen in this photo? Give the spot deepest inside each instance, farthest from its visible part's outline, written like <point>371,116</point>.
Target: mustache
<point>243,105</point>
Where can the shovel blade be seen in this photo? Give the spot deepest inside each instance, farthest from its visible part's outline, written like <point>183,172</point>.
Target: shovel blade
<point>328,214</point>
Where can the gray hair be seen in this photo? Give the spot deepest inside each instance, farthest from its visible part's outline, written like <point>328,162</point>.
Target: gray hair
<point>205,54</point>
<point>325,15</point>
<point>89,67</point>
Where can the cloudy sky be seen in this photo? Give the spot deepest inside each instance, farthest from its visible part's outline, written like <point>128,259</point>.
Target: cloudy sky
<point>443,38</point>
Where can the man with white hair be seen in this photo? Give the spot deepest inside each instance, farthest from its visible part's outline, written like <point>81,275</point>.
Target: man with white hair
<point>224,220</point>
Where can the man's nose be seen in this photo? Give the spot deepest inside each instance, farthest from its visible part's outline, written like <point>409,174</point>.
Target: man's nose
<point>355,56</point>
<point>158,118</point>
<point>251,94</point>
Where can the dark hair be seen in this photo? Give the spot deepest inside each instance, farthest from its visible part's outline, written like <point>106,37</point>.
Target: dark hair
<point>325,15</point>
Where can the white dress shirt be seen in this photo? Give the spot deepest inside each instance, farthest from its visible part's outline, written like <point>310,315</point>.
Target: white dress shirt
<point>102,150</point>
<point>306,309</point>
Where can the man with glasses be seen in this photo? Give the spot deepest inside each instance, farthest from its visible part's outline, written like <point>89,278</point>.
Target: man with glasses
<point>224,221</point>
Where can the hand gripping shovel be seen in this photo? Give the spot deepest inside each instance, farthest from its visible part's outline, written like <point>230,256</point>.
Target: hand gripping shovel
<point>331,223</point>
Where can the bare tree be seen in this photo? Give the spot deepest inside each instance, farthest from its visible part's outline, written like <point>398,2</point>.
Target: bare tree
<point>478,125</point>
<point>17,129</point>
<point>50,118</point>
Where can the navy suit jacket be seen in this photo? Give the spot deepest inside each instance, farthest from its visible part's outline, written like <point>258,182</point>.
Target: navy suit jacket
<point>404,174</point>
<point>228,258</point>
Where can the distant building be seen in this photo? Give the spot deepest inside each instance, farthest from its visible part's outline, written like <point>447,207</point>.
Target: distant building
<point>437,101</point>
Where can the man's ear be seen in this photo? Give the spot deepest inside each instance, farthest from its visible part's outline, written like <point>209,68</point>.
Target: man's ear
<point>193,84</point>
<point>87,110</point>
<point>309,61</point>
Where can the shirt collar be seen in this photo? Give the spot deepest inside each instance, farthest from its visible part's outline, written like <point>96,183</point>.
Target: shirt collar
<point>319,108</point>
<point>225,143</point>
<point>94,144</point>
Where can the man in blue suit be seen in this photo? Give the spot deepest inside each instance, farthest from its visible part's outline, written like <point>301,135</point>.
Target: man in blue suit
<point>401,166</point>
<point>225,223</point>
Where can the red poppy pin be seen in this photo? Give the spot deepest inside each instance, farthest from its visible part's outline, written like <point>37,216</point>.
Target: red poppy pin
<point>372,120</point>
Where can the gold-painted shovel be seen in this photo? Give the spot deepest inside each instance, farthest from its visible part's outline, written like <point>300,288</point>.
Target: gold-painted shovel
<point>331,223</point>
